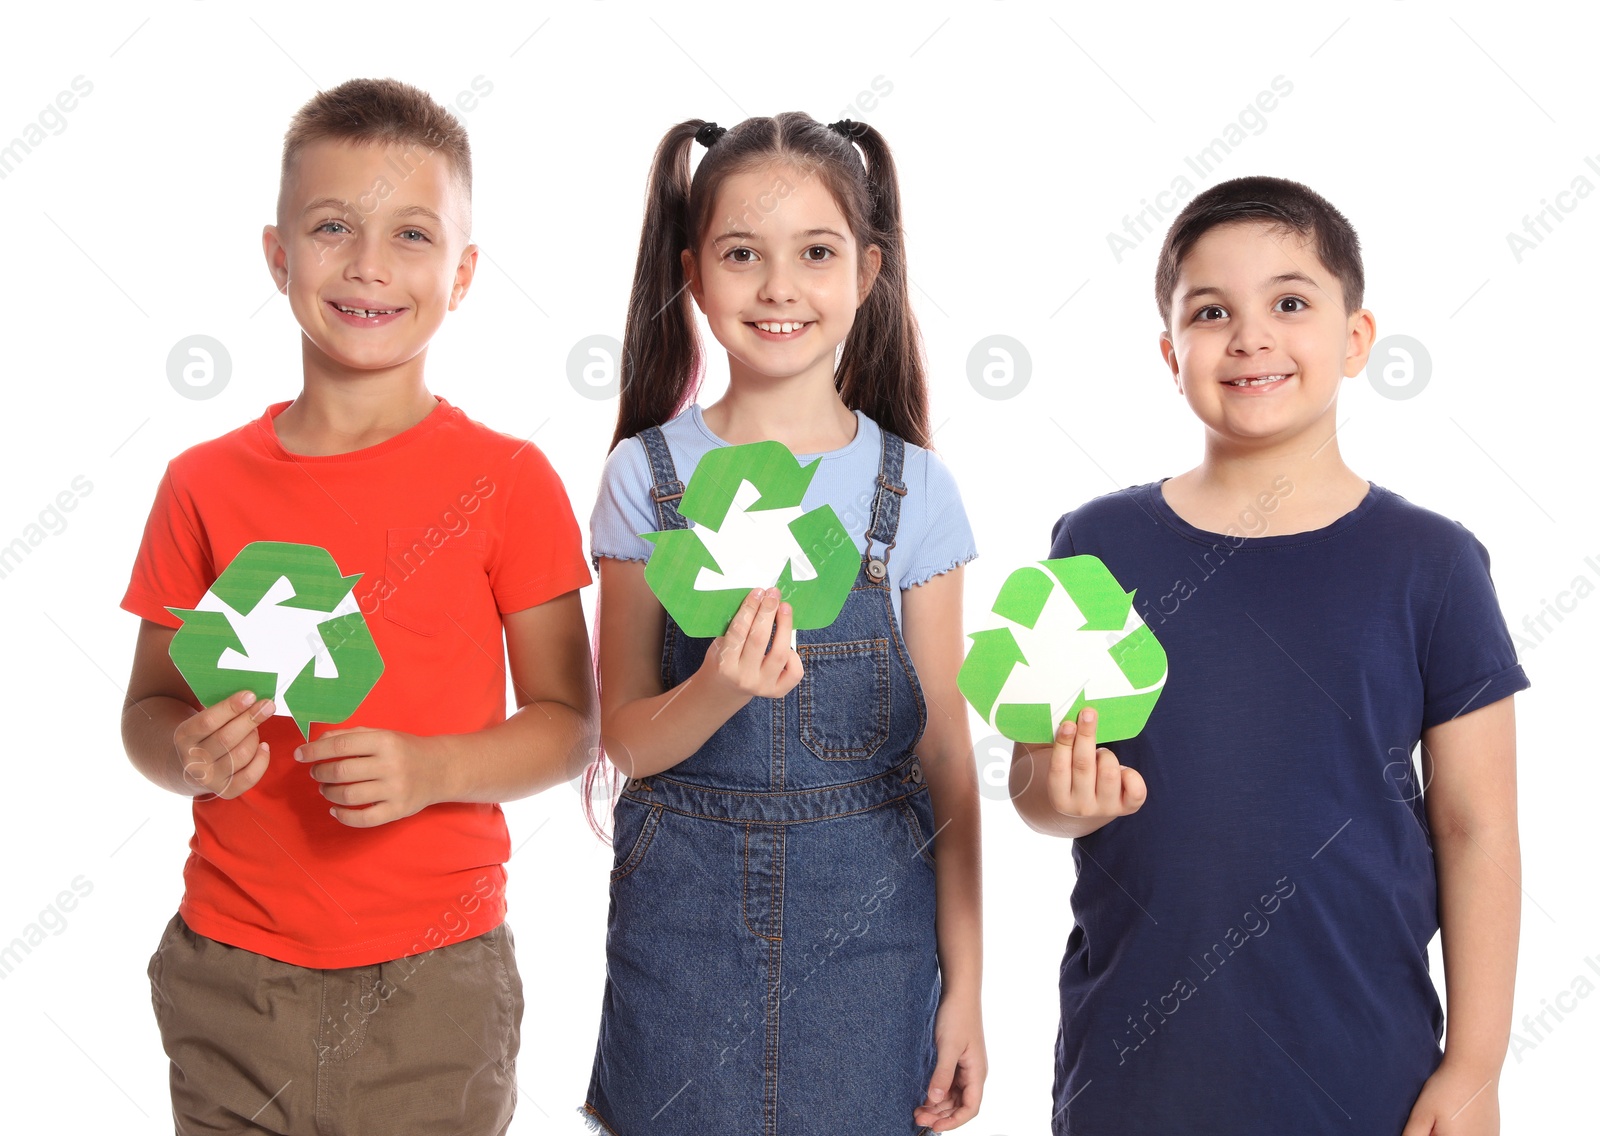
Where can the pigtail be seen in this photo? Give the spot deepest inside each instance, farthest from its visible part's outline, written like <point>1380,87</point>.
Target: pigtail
<point>660,355</point>
<point>881,371</point>
<point>661,345</point>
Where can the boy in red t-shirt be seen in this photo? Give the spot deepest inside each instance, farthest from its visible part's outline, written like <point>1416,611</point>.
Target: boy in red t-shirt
<point>340,956</point>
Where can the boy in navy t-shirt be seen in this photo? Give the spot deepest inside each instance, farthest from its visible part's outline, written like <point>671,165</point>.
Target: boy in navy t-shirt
<point>1261,870</point>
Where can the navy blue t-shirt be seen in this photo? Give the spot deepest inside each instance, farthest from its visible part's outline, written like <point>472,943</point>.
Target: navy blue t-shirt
<point>1250,952</point>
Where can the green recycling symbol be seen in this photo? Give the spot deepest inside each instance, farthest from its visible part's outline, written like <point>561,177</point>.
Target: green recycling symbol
<point>1071,639</point>
<point>283,622</point>
<point>751,532</point>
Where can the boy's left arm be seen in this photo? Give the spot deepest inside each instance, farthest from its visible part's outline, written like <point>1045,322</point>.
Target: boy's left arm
<point>1469,769</point>
<point>371,777</point>
<point>933,636</point>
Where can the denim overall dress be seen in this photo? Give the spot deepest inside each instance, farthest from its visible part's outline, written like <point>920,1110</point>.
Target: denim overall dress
<point>771,965</point>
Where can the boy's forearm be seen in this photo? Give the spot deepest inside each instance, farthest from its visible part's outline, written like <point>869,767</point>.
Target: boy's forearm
<point>1479,917</point>
<point>147,729</point>
<point>543,744</point>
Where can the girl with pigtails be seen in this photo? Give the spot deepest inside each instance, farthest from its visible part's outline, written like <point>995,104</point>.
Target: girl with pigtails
<point>794,941</point>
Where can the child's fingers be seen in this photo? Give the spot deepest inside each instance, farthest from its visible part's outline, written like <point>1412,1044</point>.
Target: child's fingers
<point>971,1099</point>
<point>793,671</point>
<point>239,731</point>
<point>1108,781</point>
<point>755,644</point>
<point>1084,760</point>
<point>369,817</point>
<point>963,1104</point>
<point>353,742</point>
<point>1062,751</point>
<point>783,628</point>
<point>778,657</point>
<point>1063,773</point>
<point>213,767</point>
<point>246,776</point>
<point>1133,790</point>
<point>1069,758</point>
<point>354,793</point>
<point>739,627</point>
<point>202,724</point>
<point>939,1084</point>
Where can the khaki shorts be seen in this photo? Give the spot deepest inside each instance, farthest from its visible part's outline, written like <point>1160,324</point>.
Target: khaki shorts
<point>420,1045</point>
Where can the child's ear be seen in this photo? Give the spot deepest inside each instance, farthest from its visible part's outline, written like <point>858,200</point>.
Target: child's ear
<point>1169,353</point>
<point>871,265</point>
<point>464,274</point>
<point>692,279</point>
<point>277,257</point>
<point>1362,330</point>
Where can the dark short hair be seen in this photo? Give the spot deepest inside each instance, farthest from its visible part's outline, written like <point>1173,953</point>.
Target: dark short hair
<point>1279,202</point>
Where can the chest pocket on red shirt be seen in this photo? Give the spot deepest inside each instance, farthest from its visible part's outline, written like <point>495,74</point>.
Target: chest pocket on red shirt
<point>432,579</point>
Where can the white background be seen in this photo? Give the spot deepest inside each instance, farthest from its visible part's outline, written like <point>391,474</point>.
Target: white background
<point>1024,134</point>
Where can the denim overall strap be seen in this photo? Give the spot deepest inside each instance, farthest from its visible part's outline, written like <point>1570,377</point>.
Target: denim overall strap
<point>886,506</point>
<point>665,488</point>
<point>665,491</point>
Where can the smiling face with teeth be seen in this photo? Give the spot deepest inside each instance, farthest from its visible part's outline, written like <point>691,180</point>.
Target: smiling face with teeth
<point>779,276</point>
<point>1260,339</point>
<point>371,249</point>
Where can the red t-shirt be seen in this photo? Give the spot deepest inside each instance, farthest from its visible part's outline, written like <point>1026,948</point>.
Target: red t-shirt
<point>450,524</point>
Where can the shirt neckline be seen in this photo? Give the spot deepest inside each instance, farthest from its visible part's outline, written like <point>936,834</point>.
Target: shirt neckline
<point>1158,504</point>
<point>862,421</point>
<point>269,433</point>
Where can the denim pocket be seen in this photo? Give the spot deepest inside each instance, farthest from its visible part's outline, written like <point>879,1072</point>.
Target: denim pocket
<point>633,829</point>
<point>844,698</point>
<point>428,573</point>
<point>921,828</point>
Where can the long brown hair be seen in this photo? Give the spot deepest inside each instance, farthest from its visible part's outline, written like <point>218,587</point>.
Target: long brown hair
<point>881,371</point>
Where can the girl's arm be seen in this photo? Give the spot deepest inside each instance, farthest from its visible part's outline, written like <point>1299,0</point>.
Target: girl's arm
<point>933,635</point>
<point>1469,768</point>
<point>645,729</point>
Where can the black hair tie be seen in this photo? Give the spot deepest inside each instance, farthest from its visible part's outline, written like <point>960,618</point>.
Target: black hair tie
<point>709,133</point>
<point>846,127</point>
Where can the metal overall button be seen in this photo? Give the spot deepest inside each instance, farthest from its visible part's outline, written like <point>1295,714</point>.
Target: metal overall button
<point>915,773</point>
<point>877,569</point>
